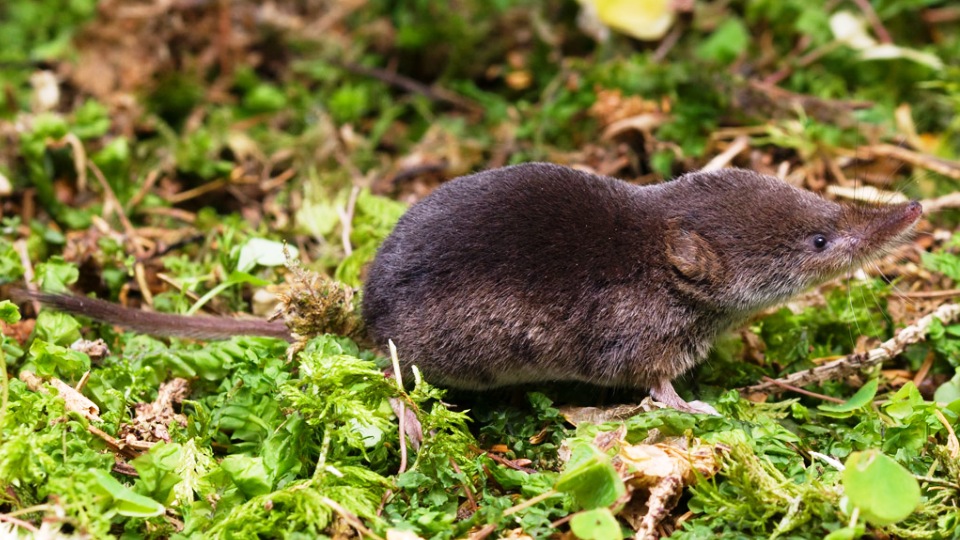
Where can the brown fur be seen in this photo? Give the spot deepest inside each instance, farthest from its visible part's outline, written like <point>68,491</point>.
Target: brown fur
<point>157,324</point>
<point>538,272</point>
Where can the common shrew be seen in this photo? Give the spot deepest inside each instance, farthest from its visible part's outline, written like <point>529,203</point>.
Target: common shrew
<point>539,272</point>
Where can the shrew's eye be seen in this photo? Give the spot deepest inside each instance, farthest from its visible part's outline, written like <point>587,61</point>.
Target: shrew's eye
<point>819,241</point>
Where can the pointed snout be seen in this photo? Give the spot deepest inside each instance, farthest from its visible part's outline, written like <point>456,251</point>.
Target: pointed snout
<point>894,220</point>
<point>906,215</point>
<point>913,211</point>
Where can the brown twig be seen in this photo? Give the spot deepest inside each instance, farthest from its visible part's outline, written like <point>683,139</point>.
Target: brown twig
<point>941,15</point>
<point>508,463</point>
<point>927,295</point>
<point>489,528</point>
<point>950,200</point>
<point>484,532</point>
<point>724,158</point>
<point>83,381</point>
<point>112,201</point>
<point>383,501</point>
<point>798,390</point>
<point>203,189</point>
<point>349,517</point>
<point>433,93</point>
<point>172,213</point>
<point>924,368</point>
<point>853,363</point>
<point>19,523</point>
<point>118,447</point>
<point>668,42</point>
<point>561,521</point>
<point>466,488</point>
<point>801,45</point>
<point>148,183</point>
<point>79,159</point>
<point>874,20</point>
<point>124,468</point>
<point>770,95</point>
<point>278,180</point>
<point>835,169</point>
<point>950,169</point>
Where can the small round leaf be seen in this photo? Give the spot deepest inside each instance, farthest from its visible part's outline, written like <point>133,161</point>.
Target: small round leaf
<point>884,491</point>
<point>596,524</point>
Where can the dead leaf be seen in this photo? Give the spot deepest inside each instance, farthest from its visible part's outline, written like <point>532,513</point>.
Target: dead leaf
<point>152,420</point>
<point>73,400</point>
<point>656,474</point>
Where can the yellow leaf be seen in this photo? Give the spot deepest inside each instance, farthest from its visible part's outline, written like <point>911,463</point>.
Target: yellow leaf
<point>648,20</point>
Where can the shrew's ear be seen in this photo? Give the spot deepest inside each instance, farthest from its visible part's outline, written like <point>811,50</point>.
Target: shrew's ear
<point>690,253</point>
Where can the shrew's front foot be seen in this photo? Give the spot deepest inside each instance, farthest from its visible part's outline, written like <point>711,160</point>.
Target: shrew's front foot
<point>664,393</point>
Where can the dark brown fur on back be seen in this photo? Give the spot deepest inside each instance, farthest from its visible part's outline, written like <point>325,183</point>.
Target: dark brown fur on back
<point>538,272</point>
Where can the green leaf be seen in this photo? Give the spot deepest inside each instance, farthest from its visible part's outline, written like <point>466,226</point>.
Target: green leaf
<point>11,268</point>
<point>91,120</point>
<point>949,391</point>
<point>248,473</point>
<point>125,501</point>
<point>348,272</point>
<point>173,472</point>
<point>904,402</point>
<point>881,488</point>
<point>862,398</point>
<point>947,264</point>
<point>55,274</point>
<point>114,162</point>
<point>725,43</point>
<point>846,533</point>
<point>48,360</point>
<point>57,327</point>
<point>158,471</point>
<point>9,313</point>
<point>375,217</point>
<point>350,102</point>
<point>264,98</point>
<point>596,524</point>
<point>590,477</point>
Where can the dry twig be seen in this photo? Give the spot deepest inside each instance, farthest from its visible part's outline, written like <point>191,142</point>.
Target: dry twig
<point>853,363</point>
<point>724,158</point>
<point>950,169</point>
<point>350,518</point>
<point>73,400</point>
<point>950,200</point>
<point>392,78</point>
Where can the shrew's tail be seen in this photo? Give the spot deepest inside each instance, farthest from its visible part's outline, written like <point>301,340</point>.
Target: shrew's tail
<point>157,324</point>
